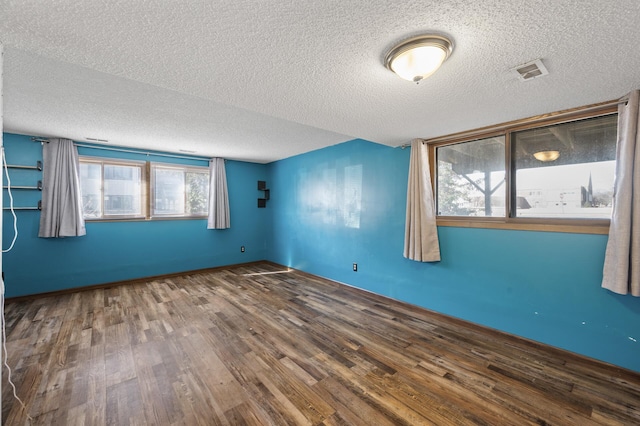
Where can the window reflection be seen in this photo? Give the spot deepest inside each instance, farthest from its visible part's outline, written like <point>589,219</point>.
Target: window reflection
<point>576,184</point>
<point>331,195</point>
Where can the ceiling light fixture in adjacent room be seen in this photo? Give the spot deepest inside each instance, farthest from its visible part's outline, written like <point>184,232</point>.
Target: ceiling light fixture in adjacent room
<point>419,57</point>
<point>547,155</point>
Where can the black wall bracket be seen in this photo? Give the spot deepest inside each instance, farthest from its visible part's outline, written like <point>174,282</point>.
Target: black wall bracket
<point>262,186</point>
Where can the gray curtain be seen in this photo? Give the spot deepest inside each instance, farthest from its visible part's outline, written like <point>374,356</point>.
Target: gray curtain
<point>621,272</point>
<point>218,196</point>
<point>61,214</point>
<point>421,234</point>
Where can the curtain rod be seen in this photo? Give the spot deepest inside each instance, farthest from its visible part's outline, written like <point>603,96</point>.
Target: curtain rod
<point>131,151</point>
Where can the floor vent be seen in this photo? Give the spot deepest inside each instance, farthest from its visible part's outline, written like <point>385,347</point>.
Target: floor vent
<point>531,70</point>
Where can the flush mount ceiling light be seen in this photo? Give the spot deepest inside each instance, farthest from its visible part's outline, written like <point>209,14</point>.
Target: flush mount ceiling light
<point>419,57</point>
<point>547,155</point>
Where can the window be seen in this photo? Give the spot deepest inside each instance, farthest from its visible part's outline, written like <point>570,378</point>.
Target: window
<point>115,189</point>
<point>111,190</point>
<point>576,184</point>
<point>553,174</point>
<point>179,191</point>
<point>470,178</point>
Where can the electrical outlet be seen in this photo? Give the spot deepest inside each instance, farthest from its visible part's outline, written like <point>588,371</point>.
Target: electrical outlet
<point>241,249</point>
<point>355,267</point>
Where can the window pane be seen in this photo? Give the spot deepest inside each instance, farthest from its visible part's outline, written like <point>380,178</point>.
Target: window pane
<point>91,189</point>
<point>122,185</point>
<point>470,178</point>
<point>197,193</point>
<point>565,170</point>
<point>169,191</point>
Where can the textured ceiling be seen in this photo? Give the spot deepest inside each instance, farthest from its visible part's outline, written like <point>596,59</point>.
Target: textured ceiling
<point>261,81</point>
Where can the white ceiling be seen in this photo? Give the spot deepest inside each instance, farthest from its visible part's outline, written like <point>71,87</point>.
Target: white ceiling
<point>264,80</point>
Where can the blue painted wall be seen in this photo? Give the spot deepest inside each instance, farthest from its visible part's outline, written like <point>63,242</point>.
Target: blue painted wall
<point>329,209</point>
<point>113,251</point>
<point>539,285</point>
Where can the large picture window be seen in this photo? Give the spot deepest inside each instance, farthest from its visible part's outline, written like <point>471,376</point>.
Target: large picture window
<point>556,172</point>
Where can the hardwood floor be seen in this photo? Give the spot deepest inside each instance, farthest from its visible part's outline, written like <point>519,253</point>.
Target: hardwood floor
<point>247,345</point>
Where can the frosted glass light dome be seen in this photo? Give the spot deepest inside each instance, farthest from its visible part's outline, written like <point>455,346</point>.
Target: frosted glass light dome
<point>418,57</point>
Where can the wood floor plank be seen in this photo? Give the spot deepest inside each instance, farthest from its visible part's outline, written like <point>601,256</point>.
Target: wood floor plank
<point>97,386</point>
<point>350,408</point>
<point>264,345</point>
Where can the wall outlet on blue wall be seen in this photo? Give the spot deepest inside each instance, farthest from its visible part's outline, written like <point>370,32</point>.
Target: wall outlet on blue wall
<point>355,267</point>
<point>241,249</point>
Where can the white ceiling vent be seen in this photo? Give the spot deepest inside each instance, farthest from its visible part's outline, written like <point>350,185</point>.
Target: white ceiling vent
<point>531,70</point>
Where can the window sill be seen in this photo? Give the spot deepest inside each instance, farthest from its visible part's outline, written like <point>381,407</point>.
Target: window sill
<point>142,219</point>
<point>599,227</point>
